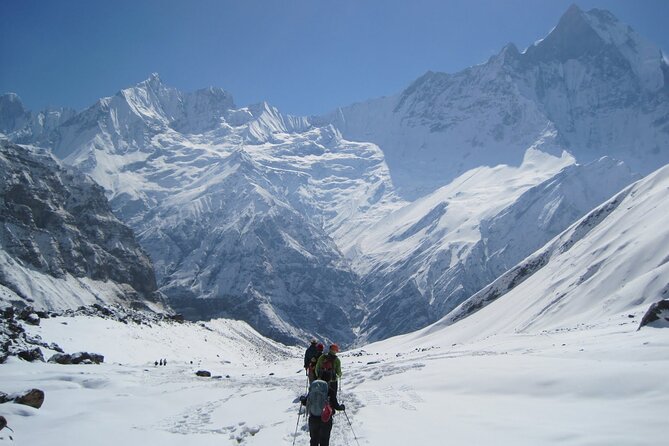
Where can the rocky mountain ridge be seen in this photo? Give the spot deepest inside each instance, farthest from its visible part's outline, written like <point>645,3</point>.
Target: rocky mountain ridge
<point>592,86</point>
<point>301,227</point>
<point>57,223</point>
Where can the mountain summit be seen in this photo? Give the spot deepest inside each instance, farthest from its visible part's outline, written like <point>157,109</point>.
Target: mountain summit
<point>598,35</point>
<point>592,86</point>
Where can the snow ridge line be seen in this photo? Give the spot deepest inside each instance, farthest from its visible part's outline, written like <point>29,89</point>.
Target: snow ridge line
<point>525,269</point>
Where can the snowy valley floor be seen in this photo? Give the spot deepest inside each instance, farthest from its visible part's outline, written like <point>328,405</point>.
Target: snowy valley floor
<point>597,385</point>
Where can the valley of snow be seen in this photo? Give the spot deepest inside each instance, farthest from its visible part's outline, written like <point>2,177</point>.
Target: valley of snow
<point>526,369</point>
<point>506,296</point>
<point>595,384</point>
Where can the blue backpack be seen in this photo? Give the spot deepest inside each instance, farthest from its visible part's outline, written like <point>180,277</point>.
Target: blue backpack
<point>317,398</point>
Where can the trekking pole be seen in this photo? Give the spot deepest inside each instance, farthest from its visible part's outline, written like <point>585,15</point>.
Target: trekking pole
<point>351,426</point>
<point>299,414</point>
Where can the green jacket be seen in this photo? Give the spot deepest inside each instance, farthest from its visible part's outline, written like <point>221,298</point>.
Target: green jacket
<point>336,365</point>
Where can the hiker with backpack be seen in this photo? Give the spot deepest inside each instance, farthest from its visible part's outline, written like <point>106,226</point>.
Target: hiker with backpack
<point>321,403</point>
<point>311,370</point>
<point>310,355</point>
<point>331,363</point>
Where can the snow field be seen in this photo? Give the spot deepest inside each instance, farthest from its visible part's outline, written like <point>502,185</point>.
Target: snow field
<point>603,384</point>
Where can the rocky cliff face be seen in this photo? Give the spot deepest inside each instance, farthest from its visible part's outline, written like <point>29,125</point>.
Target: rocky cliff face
<point>57,222</point>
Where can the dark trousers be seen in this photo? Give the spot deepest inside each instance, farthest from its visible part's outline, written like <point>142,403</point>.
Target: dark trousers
<point>332,393</point>
<point>319,431</point>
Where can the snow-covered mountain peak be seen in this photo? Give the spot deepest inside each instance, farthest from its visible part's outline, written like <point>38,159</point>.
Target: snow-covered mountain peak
<point>645,58</point>
<point>510,50</point>
<point>573,37</point>
<point>19,124</point>
<point>592,87</point>
<point>581,34</point>
<point>154,80</point>
<point>266,121</point>
<point>152,100</point>
<point>11,99</point>
<point>12,113</point>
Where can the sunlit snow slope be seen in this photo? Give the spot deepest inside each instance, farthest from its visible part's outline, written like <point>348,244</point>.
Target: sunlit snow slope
<point>423,260</point>
<point>610,264</point>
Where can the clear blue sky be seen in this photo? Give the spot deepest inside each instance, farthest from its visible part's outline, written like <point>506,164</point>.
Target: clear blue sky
<point>304,56</point>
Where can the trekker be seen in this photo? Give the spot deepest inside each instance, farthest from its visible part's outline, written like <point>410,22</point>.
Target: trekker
<point>311,370</point>
<point>320,417</point>
<point>332,363</point>
<point>311,353</point>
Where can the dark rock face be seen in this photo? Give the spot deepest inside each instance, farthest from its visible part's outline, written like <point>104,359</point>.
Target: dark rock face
<point>57,221</point>
<point>32,355</point>
<point>203,373</point>
<point>77,358</point>
<point>657,315</point>
<point>13,338</point>
<point>33,398</point>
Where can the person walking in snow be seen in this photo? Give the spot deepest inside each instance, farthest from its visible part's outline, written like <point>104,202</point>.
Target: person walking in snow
<point>312,352</point>
<point>331,363</point>
<point>311,370</point>
<point>321,402</point>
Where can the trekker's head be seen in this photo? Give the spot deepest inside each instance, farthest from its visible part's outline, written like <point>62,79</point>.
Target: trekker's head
<point>320,347</point>
<point>334,349</point>
<point>313,341</point>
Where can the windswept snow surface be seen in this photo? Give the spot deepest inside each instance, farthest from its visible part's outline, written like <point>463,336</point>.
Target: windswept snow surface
<point>601,384</point>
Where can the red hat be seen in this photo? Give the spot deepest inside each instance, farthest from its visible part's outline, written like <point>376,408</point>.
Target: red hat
<point>320,347</point>
<point>334,348</point>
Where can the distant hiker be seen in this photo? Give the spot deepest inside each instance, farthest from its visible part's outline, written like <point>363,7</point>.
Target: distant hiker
<point>161,362</point>
<point>321,404</point>
<point>331,363</point>
<point>312,352</point>
<point>165,361</point>
<point>311,370</point>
